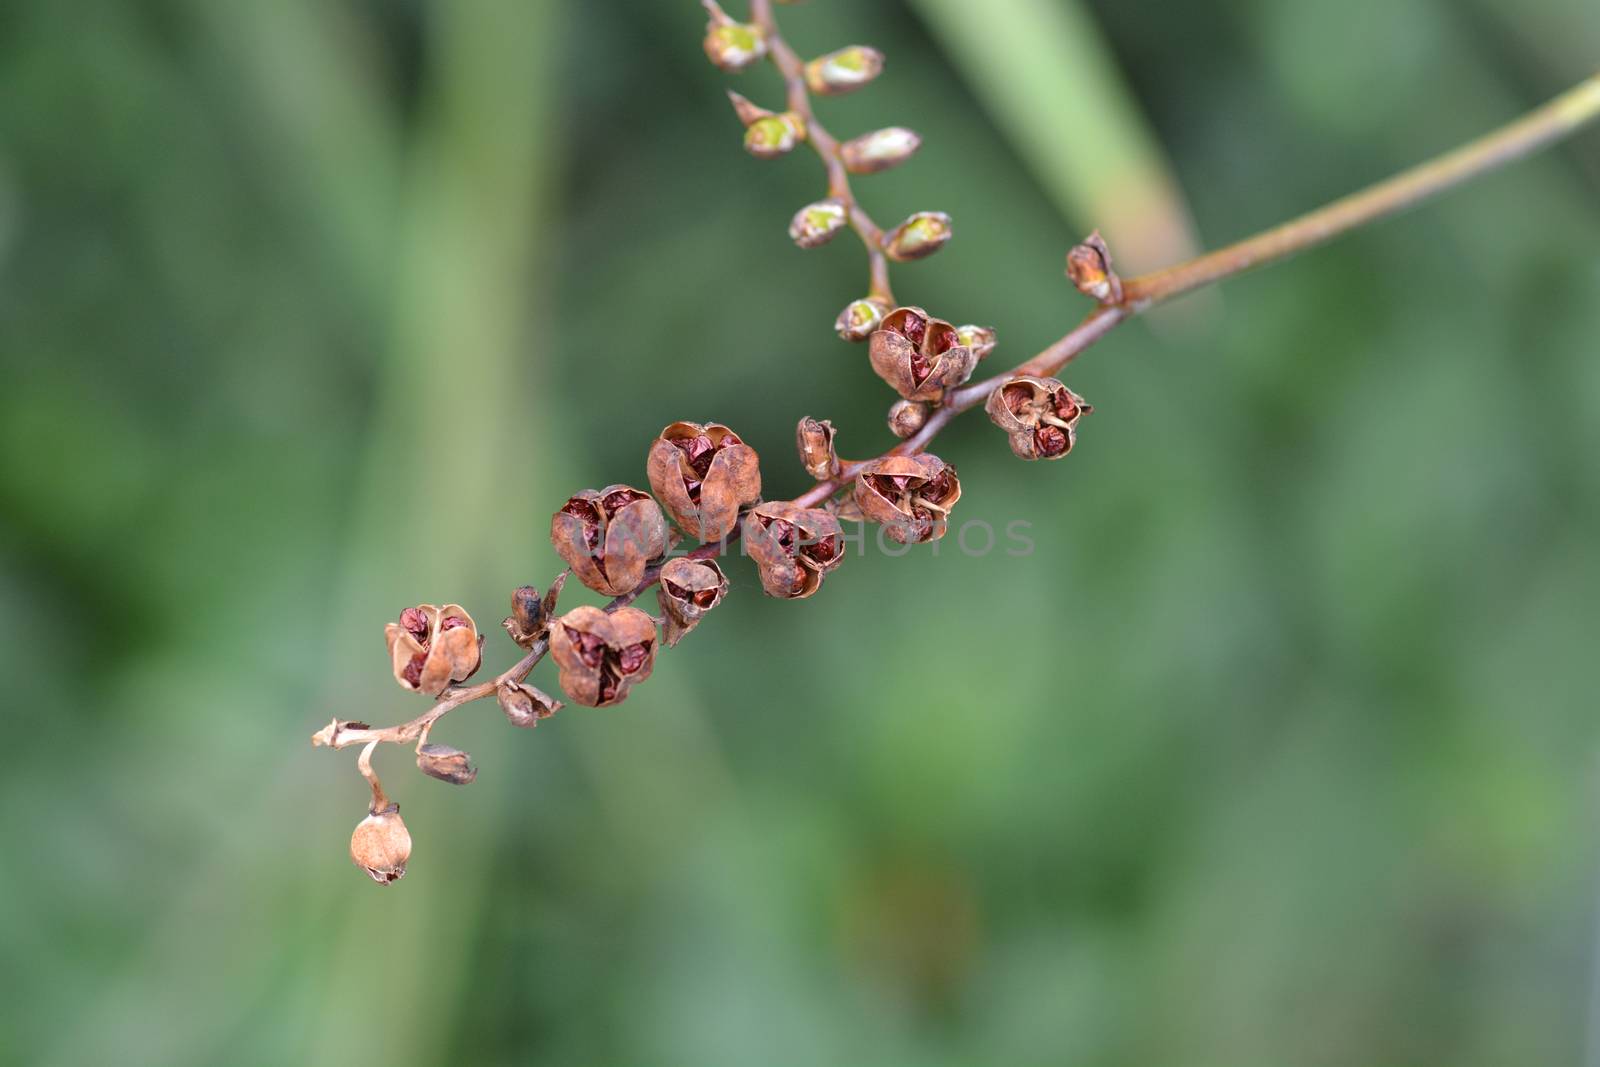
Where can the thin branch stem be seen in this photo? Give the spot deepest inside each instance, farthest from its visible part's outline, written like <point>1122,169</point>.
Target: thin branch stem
<point>793,69</point>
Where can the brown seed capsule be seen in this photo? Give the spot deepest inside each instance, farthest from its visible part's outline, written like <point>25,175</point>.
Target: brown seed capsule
<point>431,647</point>
<point>879,150</point>
<point>1089,268</point>
<point>1039,415</point>
<point>816,224</point>
<point>814,440</point>
<point>861,318</point>
<point>608,537</point>
<point>980,339</point>
<point>793,547</point>
<point>602,656</point>
<point>906,417</point>
<point>911,496</point>
<point>731,45</point>
<point>689,589</point>
<point>446,764</point>
<point>530,614</point>
<point>920,357</point>
<point>921,235</point>
<point>381,845</point>
<point>843,71</point>
<point>524,704</point>
<point>703,474</point>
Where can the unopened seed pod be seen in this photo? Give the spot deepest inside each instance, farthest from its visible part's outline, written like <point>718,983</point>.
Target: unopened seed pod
<point>531,613</point>
<point>1089,268</point>
<point>1039,415</point>
<point>911,496</point>
<point>729,44</point>
<point>879,150</point>
<point>432,647</point>
<point>906,417</point>
<point>524,705</point>
<point>703,473</point>
<point>861,318</point>
<point>814,440</point>
<point>817,224</point>
<point>921,235</point>
<point>381,845</point>
<point>609,536</point>
<point>603,656</point>
<point>793,547</point>
<point>446,764</point>
<point>774,136</point>
<point>919,356</point>
<point>980,339</point>
<point>689,589</point>
<point>843,71</point>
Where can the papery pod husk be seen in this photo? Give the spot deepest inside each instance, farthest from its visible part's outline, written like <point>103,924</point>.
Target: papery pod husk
<point>732,480</point>
<point>814,439</point>
<point>981,339</point>
<point>689,589</point>
<point>450,655</point>
<point>584,665</point>
<point>793,572</point>
<point>894,355</point>
<point>893,507</point>
<point>1020,407</point>
<point>906,417</point>
<point>381,845</point>
<point>525,705</point>
<point>630,537</point>
<point>446,764</point>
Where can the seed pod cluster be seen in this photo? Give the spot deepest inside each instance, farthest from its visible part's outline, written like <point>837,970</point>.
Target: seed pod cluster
<point>911,496</point>
<point>1039,415</point>
<point>430,647</point>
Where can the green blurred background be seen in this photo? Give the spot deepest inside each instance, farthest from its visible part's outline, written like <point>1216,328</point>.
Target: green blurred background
<point>1280,749</point>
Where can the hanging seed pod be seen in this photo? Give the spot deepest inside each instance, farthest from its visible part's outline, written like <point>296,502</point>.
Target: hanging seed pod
<point>911,496</point>
<point>919,356</point>
<point>1039,415</point>
<point>603,656</point>
<point>703,474</point>
<point>381,846</point>
<point>793,547</point>
<point>525,705</point>
<point>609,536</point>
<point>430,647</point>
<point>446,764</point>
<point>689,589</point>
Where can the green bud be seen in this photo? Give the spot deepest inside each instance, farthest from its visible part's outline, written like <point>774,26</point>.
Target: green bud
<point>843,71</point>
<point>731,45</point>
<point>879,150</point>
<point>978,338</point>
<point>860,319</point>
<point>773,135</point>
<point>817,224</point>
<point>921,235</point>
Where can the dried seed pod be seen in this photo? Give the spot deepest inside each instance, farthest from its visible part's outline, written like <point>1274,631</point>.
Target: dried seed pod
<point>911,496</point>
<point>879,150</point>
<point>432,647</point>
<point>730,44</point>
<point>906,417</point>
<point>921,235</point>
<point>602,656</point>
<point>814,440</point>
<point>703,474</point>
<point>530,614</point>
<point>524,704</point>
<point>609,536</point>
<point>861,318</point>
<point>1089,268</point>
<point>843,71</point>
<point>1039,415</point>
<point>689,589</point>
<point>816,224</point>
<point>793,547</point>
<point>920,357</point>
<point>381,845</point>
<point>980,339</point>
<point>446,764</point>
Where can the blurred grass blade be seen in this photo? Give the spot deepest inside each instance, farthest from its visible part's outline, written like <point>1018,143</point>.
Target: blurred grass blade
<point>1071,116</point>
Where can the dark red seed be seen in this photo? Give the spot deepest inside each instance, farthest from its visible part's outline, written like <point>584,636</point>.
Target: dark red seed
<point>591,649</point>
<point>914,328</point>
<point>453,622</point>
<point>1051,441</point>
<point>939,488</point>
<point>615,501</point>
<point>633,657</point>
<point>824,551</point>
<point>583,509</point>
<point>415,622</point>
<point>413,672</point>
<point>608,684</point>
<point>945,340</point>
<point>1016,397</point>
<point>705,598</point>
<point>674,590</point>
<point>700,452</point>
<point>692,487</point>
